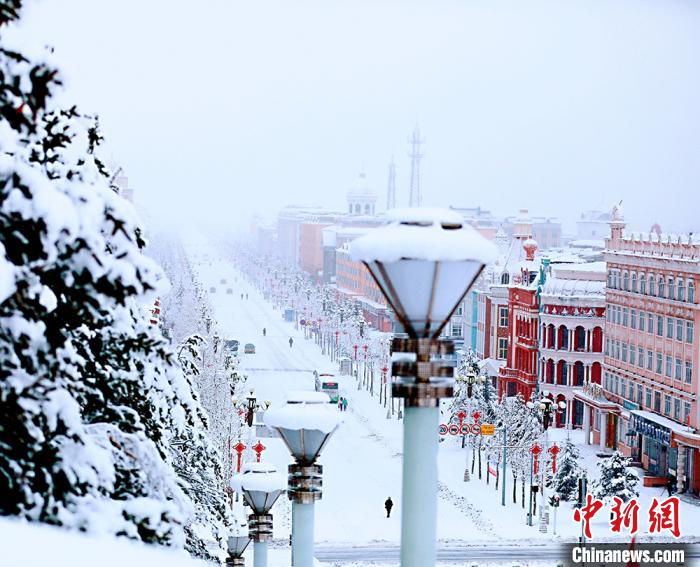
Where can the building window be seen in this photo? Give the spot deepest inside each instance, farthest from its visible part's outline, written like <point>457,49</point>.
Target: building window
<point>623,387</point>
<point>642,318</point>
<point>616,385</point>
<point>679,329</point>
<point>505,278</point>
<point>502,348</point>
<point>659,363</point>
<point>648,398</point>
<point>456,330</point>
<point>650,360</point>
<point>624,352</point>
<point>502,316</point>
<point>669,327</point>
<point>642,284</point>
<point>667,404</point>
<point>459,310</point>
<point>660,325</point>
<point>669,366</point>
<point>680,296</point>
<point>662,287</point>
<point>650,322</point>
<point>625,316</point>
<point>657,402</point>
<point>639,395</point>
<point>652,287</point>
<point>676,409</point>
<point>611,280</point>
<point>633,318</point>
<point>617,350</point>
<point>689,331</point>
<point>688,372</point>
<point>686,412</point>
<point>671,289</point>
<point>677,375</point>
<point>626,281</point>
<point>634,282</point>
<point>691,292</point>
<point>633,354</point>
<point>607,347</point>
<point>640,357</point>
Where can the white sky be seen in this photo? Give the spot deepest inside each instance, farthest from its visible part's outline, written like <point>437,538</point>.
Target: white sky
<point>214,107</point>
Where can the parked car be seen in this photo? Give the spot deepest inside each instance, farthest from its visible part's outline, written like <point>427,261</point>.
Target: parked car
<point>223,281</point>
<point>212,289</point>
<point>229,291</point>
<point>249,348</point>
<point>232,346</point>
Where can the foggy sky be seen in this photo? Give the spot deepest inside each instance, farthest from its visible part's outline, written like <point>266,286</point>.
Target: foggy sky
<point>219,107</point>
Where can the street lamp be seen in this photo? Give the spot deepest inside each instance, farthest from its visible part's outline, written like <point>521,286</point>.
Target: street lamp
<point>261,486</point>
<point>305,424</point>
<point>251,406</point>
<point>470,379</point>
<point>236,546</point>
<point>424,262</point>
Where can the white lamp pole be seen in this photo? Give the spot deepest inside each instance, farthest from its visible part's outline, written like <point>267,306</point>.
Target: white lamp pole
<point>261,486</point>
<point>305,424</point>
<point>424,262</point>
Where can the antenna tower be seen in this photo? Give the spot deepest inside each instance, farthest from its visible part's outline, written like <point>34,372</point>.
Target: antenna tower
<point>414,196</point>
<point>391,186</point>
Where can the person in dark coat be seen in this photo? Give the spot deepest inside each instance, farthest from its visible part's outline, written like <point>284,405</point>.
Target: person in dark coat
<point>388,504</point>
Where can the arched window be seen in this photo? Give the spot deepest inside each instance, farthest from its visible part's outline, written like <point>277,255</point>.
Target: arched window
<point>691,291</point>
<point>505,278</point>
<point>662,287</point>
<point>611,280</point>
<point>634,282</point>
<point>366,209</point>
<point>680,296</point>
<point>652,286</point>
<point>642,284</point>
<point>357,209</point>
<point>626,281</point>
<point>671,289</point>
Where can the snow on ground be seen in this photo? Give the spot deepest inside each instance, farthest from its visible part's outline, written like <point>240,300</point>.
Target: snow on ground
<point>39,545</point>
<point>362,462</point>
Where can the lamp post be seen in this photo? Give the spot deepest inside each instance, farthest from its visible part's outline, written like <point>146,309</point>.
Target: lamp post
<point>305,424</point>
<point>251,406</point>
<point>261,486</point>
<point>424,262</point>
<point>549,410</point>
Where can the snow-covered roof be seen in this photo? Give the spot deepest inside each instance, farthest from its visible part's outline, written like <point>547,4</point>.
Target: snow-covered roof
<point>587,243</point>
<point>664,422</point>
<point>426,234</point>
<point>304,410</point>
<point>557,287</point>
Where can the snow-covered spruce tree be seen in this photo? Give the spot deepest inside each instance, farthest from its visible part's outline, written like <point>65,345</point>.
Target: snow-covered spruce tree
<point>565,480</point>
<point>616,479</point>
<point>90,396</point>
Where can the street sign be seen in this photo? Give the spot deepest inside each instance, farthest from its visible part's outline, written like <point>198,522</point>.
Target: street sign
<point>475,428</point>
<point>487,428</point>
<point>454,429</point>
<point>465,429</point>
<point>443,429</point>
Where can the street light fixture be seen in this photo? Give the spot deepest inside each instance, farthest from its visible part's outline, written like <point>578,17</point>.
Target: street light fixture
<point>236,546</point>
<point>424,262</point>
<point>261,486</point>
<point>305,424</point>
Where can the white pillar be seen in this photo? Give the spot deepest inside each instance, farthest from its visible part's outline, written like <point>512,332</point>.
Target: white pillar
<point>556,338</point>
<point>603,427</point>
<point>571,335</point>
<point>587,423</point>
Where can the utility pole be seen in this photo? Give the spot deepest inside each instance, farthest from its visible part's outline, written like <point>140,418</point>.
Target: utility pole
<point>414,198</point>
<point>391,186</point>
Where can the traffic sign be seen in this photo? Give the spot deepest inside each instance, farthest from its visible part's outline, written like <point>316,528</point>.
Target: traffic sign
<point>454,429</point>
<point>475,428</point>
<point>487,428</point>
<point>443,429</point>
<point>465,429</point>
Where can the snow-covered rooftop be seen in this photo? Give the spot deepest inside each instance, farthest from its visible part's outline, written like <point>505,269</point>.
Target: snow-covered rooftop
<point>556,287</point>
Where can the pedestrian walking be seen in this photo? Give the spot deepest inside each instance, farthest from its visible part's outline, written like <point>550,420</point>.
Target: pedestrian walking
<point>388,504</point>
<point>291,342</point>
<point>345,404</point>
<point>264,332</point>
<point>340,404</point>
<point>246,296</point>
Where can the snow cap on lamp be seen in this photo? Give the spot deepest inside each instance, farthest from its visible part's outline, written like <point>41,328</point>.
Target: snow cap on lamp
<point>424,261</point>
<point>305,423</point>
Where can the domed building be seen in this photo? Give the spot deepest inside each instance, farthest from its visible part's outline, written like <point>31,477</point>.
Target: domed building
<point>361,199</point>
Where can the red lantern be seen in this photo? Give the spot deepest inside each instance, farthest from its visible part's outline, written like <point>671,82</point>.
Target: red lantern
<point>258,448</point>
<point>536,450</point>
<point>554,451</point>
<point>239,448</point>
